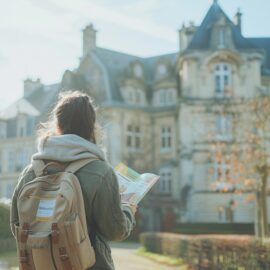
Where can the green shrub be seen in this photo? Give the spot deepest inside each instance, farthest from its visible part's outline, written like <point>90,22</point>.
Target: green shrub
<point>174,245</point>
<point>211,251</point>
<point>4,222</point>
<point>7,241</point>
<point>215,228</point>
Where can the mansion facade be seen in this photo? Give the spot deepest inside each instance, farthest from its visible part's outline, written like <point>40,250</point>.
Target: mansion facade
<point>153,113</point>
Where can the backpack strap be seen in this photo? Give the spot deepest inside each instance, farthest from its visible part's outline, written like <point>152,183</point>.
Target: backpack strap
<point>39,166</point>
<point>76,165</point>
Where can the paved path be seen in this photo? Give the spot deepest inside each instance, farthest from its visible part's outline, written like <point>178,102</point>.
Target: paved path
<point>125,258</point>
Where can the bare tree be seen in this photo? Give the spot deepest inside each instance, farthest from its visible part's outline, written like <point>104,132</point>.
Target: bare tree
<point>246,154</point>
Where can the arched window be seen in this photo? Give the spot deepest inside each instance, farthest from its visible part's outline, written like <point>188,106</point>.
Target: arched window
<point>223,79</point>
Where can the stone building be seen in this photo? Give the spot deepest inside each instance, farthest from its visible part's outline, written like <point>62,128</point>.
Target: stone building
<point>153,112</point>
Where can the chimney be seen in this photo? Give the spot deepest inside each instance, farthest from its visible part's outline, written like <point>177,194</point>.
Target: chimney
<point>30,86</point>
<point>186,34</point>
<point>238,19</point>
<point>89,39</point>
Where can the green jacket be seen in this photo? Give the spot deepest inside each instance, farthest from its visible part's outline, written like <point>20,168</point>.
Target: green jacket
<point>107,218</point>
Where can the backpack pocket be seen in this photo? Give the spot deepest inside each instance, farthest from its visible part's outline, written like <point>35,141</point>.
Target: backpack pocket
<point>41,251</point>
<point>80,244</point>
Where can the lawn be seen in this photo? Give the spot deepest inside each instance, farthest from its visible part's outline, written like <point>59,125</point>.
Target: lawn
<point>8,259</point>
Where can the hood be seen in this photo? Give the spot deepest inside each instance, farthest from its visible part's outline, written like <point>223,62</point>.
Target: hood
<point>67,148</point>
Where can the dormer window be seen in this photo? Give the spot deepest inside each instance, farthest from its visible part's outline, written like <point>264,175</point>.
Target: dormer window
<point>138,70</point>
<point>221,38</point>
<point>21,125</point>
<point>134,96</point>
<point>223,79</point>
<point>165,97</point>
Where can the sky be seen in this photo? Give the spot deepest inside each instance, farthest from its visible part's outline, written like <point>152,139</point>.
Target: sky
<point>43,38</point>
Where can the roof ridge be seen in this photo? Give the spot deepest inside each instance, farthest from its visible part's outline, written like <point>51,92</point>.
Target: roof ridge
<point>159,55</point>
<point>118,52</point>
<point>139,57</point>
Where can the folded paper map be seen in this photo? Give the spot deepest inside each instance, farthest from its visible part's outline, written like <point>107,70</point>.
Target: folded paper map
<point>133,186</point>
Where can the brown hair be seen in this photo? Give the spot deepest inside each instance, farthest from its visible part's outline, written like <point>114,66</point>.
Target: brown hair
<point>74,113</point>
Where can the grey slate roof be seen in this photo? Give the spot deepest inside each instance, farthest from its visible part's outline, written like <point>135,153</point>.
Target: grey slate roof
<point>44,98</point>
<point>117,63</point>
<point>264,44</point>
<point>201,38</point>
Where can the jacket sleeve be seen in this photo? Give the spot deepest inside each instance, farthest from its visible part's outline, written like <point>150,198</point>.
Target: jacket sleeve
<point>113,219</point>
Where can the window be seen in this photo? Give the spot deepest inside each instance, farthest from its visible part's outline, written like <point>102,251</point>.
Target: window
<point>30,125</point>
<point>161,69</point>
<point>3,129</point>
<point>222,75</point>
<point>138,70</point>
<point>166,139</point>
<point>222,175</point>
<point>224,127</point>
<point>162,98</point>
<point>221,38</point>
<point>21,125</point>
<point>226,213</point>
<point>22,156</point>
<point>165,182</point>
<point>165,97</point>
<point>133,95</point>
<point>134,135</point>
<point>11,161</point>
<point>130,95</point>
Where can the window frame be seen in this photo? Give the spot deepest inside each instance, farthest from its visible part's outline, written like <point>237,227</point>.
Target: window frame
<point>224,128</point>
<point>222,79</point>
<point>134,138</point>
<point>166,138</point>
<point>165,184</point>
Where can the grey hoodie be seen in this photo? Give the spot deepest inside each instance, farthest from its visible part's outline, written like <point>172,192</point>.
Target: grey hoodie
<point>67,148</point>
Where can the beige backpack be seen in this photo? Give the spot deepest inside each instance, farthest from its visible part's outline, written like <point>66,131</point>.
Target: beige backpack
<point>52,231</point>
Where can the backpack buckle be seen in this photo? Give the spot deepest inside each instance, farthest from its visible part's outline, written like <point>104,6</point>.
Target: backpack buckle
<point>65,259</point>
<point>63,254</point>
<point>55,233</point>
<point>23,256</point>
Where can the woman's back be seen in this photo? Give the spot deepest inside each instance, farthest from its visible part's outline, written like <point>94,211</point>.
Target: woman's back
<point>107,218</point>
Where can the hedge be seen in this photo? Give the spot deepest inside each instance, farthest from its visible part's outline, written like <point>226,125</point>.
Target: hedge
<point>215,228</point>
<point>5,231</point>
<point>7,241</point>
<point>211,251</point>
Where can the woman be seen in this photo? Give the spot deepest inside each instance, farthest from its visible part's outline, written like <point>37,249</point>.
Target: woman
<point>70,135</point>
